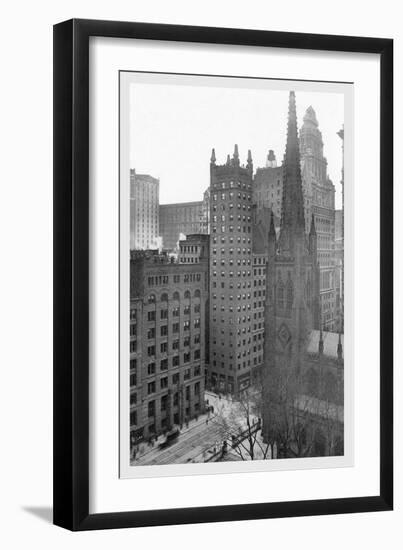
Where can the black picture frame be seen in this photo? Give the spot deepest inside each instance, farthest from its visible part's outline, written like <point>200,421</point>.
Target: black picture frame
<point>71,274</point>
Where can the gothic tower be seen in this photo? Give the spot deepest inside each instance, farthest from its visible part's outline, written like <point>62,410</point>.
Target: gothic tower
<point>292,281</point>
<point>230,273</point>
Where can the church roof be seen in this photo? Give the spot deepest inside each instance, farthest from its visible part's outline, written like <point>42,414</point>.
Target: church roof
<point>330,343</point>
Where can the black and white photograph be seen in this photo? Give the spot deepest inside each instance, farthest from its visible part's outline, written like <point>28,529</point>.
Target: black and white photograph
<point>235,246</point>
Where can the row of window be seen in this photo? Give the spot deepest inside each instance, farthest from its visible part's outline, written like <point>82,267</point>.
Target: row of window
<point>152,315</point>
<point>232,262</point>
<point>243,284</point>
<point>231,274</point>
<point>232,184</point>
<point>232,250</point>
<point>163,345</point>
<point>158,280</point>
<point>239,240</point>
<point>239,229</point>
<point>231,206</point>
<point>152,299</point>
<point>231,218</point>
<point>152,386</point>
<point>151,370</point>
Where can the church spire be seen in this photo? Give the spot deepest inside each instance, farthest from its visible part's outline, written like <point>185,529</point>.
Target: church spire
<point>292,217</point>
<point>213,159</point>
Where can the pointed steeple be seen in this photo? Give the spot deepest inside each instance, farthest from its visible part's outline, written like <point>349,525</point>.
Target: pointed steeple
<point>292,227</point>
<point>272,229</point>
<point>213,159</point>
<point>272,244</point>
<point>228,160</point>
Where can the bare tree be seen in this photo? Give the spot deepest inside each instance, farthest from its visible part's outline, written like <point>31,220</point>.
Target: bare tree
<point>241,425</point>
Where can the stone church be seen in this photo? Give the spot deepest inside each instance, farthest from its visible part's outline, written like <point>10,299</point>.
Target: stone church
<point>303,367</point>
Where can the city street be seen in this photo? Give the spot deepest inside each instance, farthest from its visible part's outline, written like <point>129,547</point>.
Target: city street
<point>200,440</point>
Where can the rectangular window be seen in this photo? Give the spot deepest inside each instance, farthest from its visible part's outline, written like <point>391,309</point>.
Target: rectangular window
<point>175,361</point>
<point>151,333</point>
<point>175,312</point>
<point>175,379</point>
<point>164,402</point>
<point>164,330</point>
<point>133,398</point>
<point>133,329</point>
<point>133,379</point>
<point>197,354</point>
<point>151,316</point>
<point>164,314</point>
<point>175,327</point>
<point>175,344</point>
<point>186,357</point>
<point>187,374</point>
<point>164,382</point>
<point>151,368</point>
<point>186,325</point>
<point>151,388</point>
<point>151,410</point>
<point>196,323</point>
<point>150,351</point>
<point>133,364</point>
<point>164,364</point>
<point>133,418</point>
<point>133,346</point>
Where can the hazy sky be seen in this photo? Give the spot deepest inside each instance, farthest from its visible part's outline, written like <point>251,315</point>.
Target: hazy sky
<point>174,127</point>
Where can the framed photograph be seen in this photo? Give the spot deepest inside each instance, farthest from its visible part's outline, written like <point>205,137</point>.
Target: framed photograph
<point>223,320</point>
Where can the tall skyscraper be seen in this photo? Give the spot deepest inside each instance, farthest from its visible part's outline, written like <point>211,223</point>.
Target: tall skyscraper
<point>180,219</point>
<point>144,211</point>
<point>319,196</point>
<point>230,273</point>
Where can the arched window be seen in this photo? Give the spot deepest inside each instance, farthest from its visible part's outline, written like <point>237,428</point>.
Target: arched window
<point>176,296</point>
<point>187,295</point>
<point>289,294</point>
<point>164,297</point>
<point>151,299</point>
<point>197,293</point>
<point>280,294</point>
